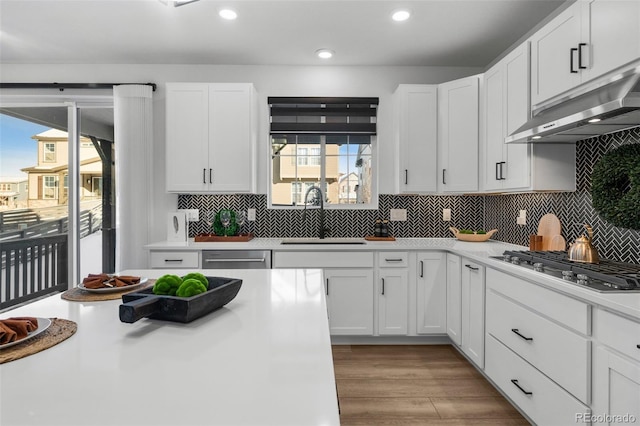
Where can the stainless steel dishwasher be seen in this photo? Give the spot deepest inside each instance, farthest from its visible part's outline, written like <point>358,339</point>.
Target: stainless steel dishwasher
<point>236,259</point>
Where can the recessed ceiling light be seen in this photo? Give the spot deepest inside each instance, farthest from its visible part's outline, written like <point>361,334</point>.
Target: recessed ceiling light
<point>594,120</point>
<point>324,53</point>
<point>536,137</point>
<point>400,15</point>
<point>228,14</point>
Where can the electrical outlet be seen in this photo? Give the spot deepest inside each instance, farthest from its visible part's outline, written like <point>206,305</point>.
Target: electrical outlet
<point>523,214</point>
<point>521,220</point>
<point>398,215</point>
<point>446,215</point>
<point>251,214</point>
<point>193,215</point>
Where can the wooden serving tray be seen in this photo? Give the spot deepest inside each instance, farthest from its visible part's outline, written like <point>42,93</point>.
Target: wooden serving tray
<point>222,239</point>
<point>372,238</point>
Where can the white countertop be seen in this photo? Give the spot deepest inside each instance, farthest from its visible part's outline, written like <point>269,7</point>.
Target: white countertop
<point>627,304</point>
<point>263,359</point>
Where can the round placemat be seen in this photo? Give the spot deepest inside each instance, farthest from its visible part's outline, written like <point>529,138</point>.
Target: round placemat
<point>58,331</point>
<point>78,295</point>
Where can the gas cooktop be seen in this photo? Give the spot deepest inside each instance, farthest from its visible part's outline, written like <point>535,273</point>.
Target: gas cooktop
<point>606,276</point>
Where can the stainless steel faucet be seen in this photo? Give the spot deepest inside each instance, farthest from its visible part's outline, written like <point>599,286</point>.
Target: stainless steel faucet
<point>322,229</point>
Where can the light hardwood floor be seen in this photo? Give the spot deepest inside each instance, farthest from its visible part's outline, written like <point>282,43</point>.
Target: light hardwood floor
<point>415,385</point>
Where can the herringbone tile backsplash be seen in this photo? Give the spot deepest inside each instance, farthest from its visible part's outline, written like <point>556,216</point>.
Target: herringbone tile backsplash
<point>424,213</point>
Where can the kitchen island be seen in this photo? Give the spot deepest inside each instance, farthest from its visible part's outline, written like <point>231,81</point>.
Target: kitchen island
<point>263,359</point>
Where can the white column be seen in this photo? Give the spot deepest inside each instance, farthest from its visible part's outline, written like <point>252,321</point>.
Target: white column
<point>133,128</point>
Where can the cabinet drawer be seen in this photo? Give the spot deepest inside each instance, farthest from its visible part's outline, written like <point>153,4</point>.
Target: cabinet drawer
<point>563,309</point>
<point>174,259</point>
<point>618,333</point>
<point>546,404</point>
<point>324,259</point>
<point>559,353</point>
<point>393,259</point>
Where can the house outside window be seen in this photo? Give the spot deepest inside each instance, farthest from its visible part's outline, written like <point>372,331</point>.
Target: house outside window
<point>49,154</point>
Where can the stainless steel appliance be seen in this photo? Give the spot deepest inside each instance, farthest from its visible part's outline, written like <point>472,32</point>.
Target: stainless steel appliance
<point>606,276</point>
<point>236,259</point>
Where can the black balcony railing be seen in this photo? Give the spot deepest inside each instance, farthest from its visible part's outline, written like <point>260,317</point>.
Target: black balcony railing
<point>31,268</point>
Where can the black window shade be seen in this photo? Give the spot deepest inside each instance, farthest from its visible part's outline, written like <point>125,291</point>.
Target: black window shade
<point>337,117</point>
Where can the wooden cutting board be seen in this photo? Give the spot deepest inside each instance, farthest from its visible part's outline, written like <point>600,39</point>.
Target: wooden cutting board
<point>549,226</point>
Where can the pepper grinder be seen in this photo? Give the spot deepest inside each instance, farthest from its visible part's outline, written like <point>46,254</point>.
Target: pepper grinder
<point>377,229</point>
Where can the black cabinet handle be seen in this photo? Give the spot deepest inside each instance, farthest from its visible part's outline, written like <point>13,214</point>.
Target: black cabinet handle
<point>573,49</point>
<point>638,346</point>
<point>173,260</point>
<point>471,267</point>
<point>502,163</point>
<point>422,273</point>
<point>383,286</point>
<point>580,46</point>
<point>393,260</point>
<point>515,382</point>
<point>515,330</point>
<point>204,175</point>
<point>327,289</point>
<point>210,177</point>
<point>497,174</point>
<point>444,182</point>
<point>406,176</point>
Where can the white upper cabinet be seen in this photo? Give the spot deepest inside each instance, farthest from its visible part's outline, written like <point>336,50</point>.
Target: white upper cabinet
<point>518,167</point>
<point>586,41</point>
<point>458,111</point>
<point>211,137</point>
<point>417,137</point>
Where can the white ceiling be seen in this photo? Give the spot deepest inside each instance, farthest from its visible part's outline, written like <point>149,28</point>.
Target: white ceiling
<point>439,33</point>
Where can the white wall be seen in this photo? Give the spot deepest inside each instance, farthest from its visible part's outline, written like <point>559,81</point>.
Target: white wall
<point>269,81</point>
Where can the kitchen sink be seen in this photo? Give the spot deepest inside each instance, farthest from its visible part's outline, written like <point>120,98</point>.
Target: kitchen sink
<point>323,241</point>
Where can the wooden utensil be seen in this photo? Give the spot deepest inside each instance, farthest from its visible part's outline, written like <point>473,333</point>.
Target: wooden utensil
<point>549,226</point>
<point>558,243</point>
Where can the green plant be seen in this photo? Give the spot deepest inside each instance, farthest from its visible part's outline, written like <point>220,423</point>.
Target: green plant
<point>615,186</point>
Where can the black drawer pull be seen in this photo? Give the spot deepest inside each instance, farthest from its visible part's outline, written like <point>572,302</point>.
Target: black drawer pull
<point>422,274</point>
<point>173,260</point>
<point>210,177</point>
<point>383,286</point>
<point>515,382</point>
<point>406,176</point>
<point>515,330</point>
<point>327,292</point>
<point>393,260</point>
<point>502,163</point>
<point>444,181</point>
<point>471,267</point>
<point>497,173</point>
<point>204,175</point>
<point>638,346</point>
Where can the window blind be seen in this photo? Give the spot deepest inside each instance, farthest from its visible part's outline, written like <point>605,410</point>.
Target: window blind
<point>334,117</point>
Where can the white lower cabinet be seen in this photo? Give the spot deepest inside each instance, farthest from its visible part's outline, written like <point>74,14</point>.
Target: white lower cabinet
<point>616,370</point>
<point>349,301</point>
<point>539,397</point>
<point>472,279</point>
<point>392,293</point>
<point>431,292</point>
<point>454,299</point>
<point>178,259</point>
<point>349,286</point>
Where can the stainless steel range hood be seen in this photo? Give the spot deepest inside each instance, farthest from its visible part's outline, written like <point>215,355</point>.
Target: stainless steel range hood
<point>609,108</point>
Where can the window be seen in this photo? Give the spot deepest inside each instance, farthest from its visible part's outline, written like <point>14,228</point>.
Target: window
<point>5,187</point>
<point>326,142</point>
<point>49,155</point>
<point>50,187</point>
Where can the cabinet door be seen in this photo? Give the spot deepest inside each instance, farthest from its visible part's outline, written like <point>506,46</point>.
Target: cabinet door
<point>554,65</point>
<point>350,301</point>
<point>417,137</point>
<point>458,135</point>
<point>494,145</point>
<point>454,299</point>
<point>614,35</point>
<point>616,387</point>
<point>232,138</point>
<point>393,301</point>
<point>187,144</point>
<point>431,293</point>
<point>473,311</point>
<point>516,170</point>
